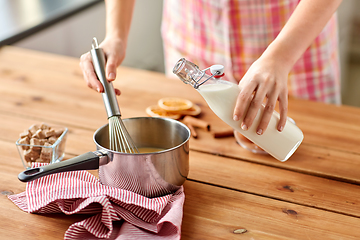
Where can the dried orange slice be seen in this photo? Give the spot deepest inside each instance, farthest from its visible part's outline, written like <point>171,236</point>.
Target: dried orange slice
<point>193,111</point>
<point>175,104</point>
<point>156,111</point>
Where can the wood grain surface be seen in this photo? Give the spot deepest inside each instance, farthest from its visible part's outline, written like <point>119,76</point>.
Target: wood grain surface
<point>314,195</point>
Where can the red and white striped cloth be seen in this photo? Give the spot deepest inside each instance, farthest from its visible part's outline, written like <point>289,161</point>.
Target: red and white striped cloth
<point>117,213</point>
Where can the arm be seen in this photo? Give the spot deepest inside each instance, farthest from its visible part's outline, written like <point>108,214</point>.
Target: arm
<point>118,21</point>
<point>267,76</point>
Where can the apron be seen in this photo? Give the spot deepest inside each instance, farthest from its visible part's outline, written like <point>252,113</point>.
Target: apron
<point>235,33</point>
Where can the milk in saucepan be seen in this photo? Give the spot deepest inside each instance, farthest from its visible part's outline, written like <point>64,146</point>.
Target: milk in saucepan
<point>221,97</point>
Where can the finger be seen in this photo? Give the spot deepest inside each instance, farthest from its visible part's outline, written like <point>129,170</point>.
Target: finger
<point>111,65</point>
<point>254,107</point>
<point>243,101</point>
<point>283,109</point>
<point>89,73</point>
<point>117,92</point>
<point>267,114</point>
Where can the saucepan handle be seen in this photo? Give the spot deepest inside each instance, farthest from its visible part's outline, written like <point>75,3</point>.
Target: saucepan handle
<point>86,161</point>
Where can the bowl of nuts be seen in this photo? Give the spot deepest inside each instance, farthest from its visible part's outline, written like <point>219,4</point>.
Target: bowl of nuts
<point>42,143</point>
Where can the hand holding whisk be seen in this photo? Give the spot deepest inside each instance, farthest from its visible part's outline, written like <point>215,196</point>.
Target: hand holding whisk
<point>120,140</point>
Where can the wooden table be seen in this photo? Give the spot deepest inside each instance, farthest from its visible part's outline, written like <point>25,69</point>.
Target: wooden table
<point>314,195</point>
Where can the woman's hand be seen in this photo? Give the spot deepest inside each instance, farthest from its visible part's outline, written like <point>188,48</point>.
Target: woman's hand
<point>114,50</point>
<point>267,76</point>
<point>264,82</point>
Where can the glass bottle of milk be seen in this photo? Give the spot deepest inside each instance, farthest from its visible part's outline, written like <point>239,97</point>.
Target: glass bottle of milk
<point>221,97</point>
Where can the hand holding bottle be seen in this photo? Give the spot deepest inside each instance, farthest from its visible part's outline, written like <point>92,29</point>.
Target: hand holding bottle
<point>222,97</point>
<point>264,83</point>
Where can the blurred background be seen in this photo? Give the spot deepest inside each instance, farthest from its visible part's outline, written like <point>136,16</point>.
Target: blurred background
<point>67,27</point>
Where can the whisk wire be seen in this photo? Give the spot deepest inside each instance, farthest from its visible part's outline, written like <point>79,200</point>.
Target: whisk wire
<point>120,139</point>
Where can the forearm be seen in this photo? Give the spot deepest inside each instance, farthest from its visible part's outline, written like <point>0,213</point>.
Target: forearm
<point>118,18</point>
<point>305,24</point>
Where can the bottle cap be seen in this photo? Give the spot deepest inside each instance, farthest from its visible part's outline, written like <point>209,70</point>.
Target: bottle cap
<point>217,70</point>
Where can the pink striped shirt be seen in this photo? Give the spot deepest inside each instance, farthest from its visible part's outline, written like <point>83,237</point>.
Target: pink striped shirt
<point>236,32</point>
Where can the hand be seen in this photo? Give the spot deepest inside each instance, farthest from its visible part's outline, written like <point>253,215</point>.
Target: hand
<point>114,50</point>
<point>266,80</point>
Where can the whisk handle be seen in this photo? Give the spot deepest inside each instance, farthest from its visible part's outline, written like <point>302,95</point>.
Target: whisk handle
<point>109,96</point>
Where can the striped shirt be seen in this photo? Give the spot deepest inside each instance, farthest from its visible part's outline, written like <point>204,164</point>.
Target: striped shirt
<point>235,33</point>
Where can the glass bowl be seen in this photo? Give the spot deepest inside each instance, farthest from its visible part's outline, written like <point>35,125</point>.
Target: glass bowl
<point>247,144</point>
<point>46,147</point>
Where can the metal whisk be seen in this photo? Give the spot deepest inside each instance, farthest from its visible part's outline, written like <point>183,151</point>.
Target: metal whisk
<point>120,139</point>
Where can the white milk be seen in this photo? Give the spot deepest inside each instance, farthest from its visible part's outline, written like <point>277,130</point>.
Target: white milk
<point>221,97</point>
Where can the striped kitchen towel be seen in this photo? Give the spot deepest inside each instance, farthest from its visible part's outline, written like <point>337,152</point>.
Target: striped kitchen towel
<point>116,213</point>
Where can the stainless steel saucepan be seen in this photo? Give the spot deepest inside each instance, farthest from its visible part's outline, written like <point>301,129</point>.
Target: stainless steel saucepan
<point>149,174</point>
